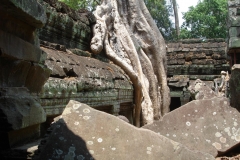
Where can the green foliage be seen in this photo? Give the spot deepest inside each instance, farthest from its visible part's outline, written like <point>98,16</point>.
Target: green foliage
<point>159,10</point>
<point>206,20</point>
<point>161,13</point>
<point>77,4</point>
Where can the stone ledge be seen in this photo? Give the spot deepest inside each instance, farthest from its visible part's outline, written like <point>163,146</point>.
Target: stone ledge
<point>29,11</point>
<point>20,108</point>
<point>14,47</point>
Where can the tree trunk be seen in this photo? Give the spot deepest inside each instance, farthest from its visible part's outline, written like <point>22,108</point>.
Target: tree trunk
<point>176,17</point>
<point>131,39</point>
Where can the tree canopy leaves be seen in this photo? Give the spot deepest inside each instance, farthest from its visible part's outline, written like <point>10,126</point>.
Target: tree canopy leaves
<point>77,4</point>
<point>159,10</point>
<point>161,13</point>
<point>206,20</point>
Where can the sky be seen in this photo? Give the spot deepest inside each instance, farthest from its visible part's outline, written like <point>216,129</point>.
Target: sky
<point>183,7</point>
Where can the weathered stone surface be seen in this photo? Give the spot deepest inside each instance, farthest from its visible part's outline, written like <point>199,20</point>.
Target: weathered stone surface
<point>234,42</point>
<point>66,26</point>
<point>37,76</point>
<point>13,73</point>
<point>179,81</point>
<point>200,90</point>
<point>84,79</point>
<point>235,87</point>
<point>201,57</point>
<point>29,11</point>
<point>20,108</point>
<point>195,69</point>
<point>209,125</point>
<point>84,133</point>
<point>14,47</point>
<point>19,73</point>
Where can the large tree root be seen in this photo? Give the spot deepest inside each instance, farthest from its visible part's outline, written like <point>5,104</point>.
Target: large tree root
<point>131,39</point>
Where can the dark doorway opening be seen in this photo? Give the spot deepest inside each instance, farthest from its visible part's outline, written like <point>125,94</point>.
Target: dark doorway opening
<point>175,103</point>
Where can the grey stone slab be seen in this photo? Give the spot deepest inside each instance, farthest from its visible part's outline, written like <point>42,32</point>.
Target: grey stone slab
<point>20,108</point>
<point>29,11</point>
<point>209,125</point>
<point>14,47</point>
<point>200,90</point>
<point>234,42</point>
<point>84,133</point>
<point>234,83</point>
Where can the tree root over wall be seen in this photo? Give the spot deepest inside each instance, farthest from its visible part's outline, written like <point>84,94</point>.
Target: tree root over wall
<point>131,39</point>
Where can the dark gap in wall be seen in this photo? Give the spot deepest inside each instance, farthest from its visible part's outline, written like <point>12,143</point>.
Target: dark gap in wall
<point>175,103</point>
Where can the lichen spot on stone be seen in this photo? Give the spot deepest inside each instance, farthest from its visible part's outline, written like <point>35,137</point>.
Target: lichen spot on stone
<point>207,140</point>
<point>80,157</point>
<point>149,148</point>
<point>196,111</point>
<point>59,151</point>
<point>235,124</point>
<point>214,113</point>
<point>149,152</point>
<point>76,123</point>
<point>91,151</point>
<point>218,134</point>
<point>113,148</point>
<point>218,146</point>
<point>223,140</point>
<point>86,117</point>
<point>117,129</point>
<point>188,123</point>
<point>237,136</point>
<point>86,110</point>
<point>90,143</point>
<point>76,106</point>
<point>100,140</point>
<point>61,138</point>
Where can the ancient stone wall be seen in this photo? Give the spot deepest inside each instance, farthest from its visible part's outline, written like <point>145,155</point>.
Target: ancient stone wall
<point>45,62</point>
<point>234,50</point>
<point>193,59</point>
<point>76,73</point>
<point>66,26</point>
<point>22,71</point>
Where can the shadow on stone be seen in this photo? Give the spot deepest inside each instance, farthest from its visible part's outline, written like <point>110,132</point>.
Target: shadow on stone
<point>61,143</point>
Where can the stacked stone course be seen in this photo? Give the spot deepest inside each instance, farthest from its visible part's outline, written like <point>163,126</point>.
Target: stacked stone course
<point>193,59</point>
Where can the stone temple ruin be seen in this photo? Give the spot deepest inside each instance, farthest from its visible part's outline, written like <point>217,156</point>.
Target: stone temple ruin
<point>46,62</point>
<point>189,60</point>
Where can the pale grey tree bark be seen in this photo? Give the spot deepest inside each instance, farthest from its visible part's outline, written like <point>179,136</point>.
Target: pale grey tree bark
<point>175,9</point>
<point>131,39</point>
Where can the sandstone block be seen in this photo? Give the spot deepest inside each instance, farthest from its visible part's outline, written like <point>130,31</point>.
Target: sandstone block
<point>85,133</point>
<point>20,108</point>
<point>209,125</point>
<point>14,47</point>
<point>234,84</point>
<point>29,11</point>
<point>234,42</point>
<point>37,76</point>
<point>200,90</point>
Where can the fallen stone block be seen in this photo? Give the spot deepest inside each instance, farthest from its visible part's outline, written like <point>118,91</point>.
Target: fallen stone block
<point>208,125</point>
<point>84,133</point>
